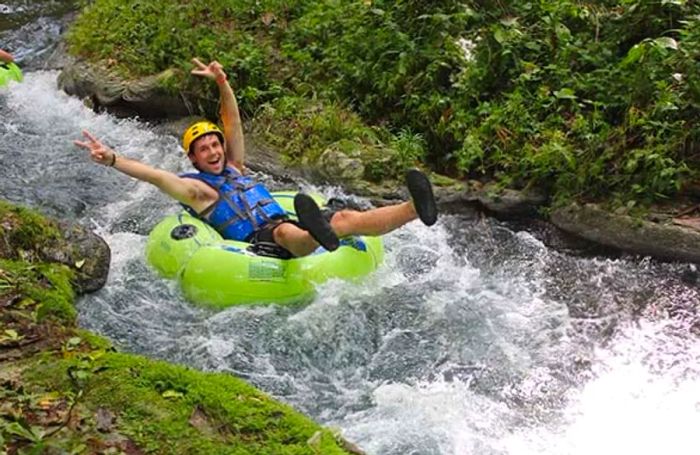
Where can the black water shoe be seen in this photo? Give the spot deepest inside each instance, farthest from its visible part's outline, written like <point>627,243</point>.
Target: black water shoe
<point>311,219</point>
<point>422,194</point>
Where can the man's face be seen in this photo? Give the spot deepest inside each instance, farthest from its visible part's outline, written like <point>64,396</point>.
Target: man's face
<point>208,154</point>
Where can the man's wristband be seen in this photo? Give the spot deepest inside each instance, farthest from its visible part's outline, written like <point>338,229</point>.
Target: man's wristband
<point>221,78</point>
<point>114,160</point>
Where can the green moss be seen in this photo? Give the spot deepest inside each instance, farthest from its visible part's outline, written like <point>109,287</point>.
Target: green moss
<point>159,405</point>
<point>25,229</point>
<point>46,284</point>
<point>94,341</point>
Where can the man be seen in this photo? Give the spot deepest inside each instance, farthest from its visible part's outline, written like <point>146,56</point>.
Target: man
<point>6,57</point>
<point>241,209</point>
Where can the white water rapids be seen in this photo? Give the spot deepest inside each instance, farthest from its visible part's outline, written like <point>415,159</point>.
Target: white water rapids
<point>471,339</point>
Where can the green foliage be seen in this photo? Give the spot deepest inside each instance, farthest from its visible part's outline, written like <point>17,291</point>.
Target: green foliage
<point>162,407</point>
<point>138,38</point>
<point>24,229</point>
<point>410,148</point>
<point>47,285</point>
<point>591,99</point>
<point>303,129</point>
<point>309,127</point>
<point>586,99</point>
<point>391,61</point>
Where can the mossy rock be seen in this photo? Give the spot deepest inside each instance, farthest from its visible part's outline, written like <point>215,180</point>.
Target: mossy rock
<point>84,396</point>
<point>28,236</point>
<point>151,97</point>
<point>629,234</point>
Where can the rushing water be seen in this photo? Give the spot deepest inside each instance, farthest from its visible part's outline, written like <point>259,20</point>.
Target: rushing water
<point>472,338</point>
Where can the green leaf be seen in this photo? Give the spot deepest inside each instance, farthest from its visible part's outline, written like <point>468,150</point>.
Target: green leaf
<point>73,342</point>
<point>33,434</point>
<point>172,394</point>
<point>11,335</point>
<point>666,42</point>
<point>80,374</point>
<point>565,93</point>
<point>634,54</point>
<point>563,32</point>
<point>500,36</point>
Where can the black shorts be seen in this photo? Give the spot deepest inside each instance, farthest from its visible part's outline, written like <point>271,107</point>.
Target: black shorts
<point>266,234</point>
<point>335,205</point>
<point>265,237</point>
<point>263,241</point>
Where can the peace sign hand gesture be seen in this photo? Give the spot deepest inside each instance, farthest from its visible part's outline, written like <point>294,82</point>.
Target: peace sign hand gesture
<point>213,70</point>
<point>99,152</point>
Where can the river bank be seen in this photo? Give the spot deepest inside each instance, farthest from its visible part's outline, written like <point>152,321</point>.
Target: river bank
<point>67,389</point>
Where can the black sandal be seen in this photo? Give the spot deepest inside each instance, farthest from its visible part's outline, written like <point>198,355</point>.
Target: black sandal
<point>421,191</point>
<point>312,220</point>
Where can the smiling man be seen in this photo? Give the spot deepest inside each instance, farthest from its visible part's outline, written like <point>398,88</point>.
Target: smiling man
<point>240,208</point>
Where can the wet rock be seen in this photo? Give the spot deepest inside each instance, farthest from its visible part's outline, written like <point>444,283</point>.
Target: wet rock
<point>632,235</point>
<point>146,97</point>
<point>457,199</point>
<point>341,165</point>
<point>511,203</point>
<point>85,252</point>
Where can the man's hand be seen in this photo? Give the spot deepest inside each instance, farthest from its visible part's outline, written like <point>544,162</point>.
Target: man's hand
<point>6,57</point>
<point>99,152</point>
<point>213,70</point>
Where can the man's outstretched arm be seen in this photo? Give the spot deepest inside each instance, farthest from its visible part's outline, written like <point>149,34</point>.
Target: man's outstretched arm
<point>187,191</point>
<point>230,115</point>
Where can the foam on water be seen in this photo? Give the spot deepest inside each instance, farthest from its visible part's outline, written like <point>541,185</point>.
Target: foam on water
<point>643,398</point>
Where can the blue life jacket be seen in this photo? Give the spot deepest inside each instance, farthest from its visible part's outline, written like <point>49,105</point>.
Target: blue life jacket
<point>244,206</point>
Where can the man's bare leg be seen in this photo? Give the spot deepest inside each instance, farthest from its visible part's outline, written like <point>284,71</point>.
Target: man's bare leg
<point>294,239</point>
<point>373,222</point>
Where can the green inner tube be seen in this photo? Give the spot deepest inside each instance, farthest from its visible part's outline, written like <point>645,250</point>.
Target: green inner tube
<point>9,72</point>
<point>220,273</point>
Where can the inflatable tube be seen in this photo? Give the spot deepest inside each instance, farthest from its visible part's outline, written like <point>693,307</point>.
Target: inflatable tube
<point>9,72</point>
<point>220,273</point>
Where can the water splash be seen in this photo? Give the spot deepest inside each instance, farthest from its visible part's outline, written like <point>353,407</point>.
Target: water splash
<point>642,398</point>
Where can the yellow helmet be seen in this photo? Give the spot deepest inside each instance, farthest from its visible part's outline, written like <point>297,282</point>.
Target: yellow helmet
<point>197,130</point>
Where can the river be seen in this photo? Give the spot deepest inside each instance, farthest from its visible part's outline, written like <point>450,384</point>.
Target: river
<point>472,338</point>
